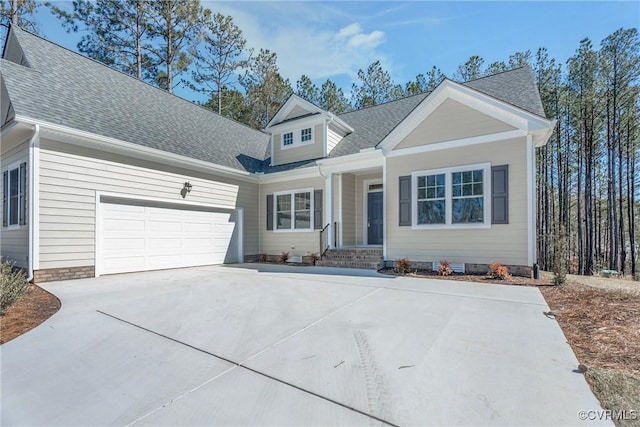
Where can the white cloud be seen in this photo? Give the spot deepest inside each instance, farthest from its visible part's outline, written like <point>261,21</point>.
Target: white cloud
<point>307,40</point>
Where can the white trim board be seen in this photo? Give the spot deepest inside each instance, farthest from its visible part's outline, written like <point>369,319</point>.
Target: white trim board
<point>365,208</point>
<point>483,139</point>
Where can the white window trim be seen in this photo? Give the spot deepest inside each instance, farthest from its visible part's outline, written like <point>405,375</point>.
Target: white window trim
<point>297,138</point>
<point>9,168</point>
<point>486,194</point>
<point>293,211</point>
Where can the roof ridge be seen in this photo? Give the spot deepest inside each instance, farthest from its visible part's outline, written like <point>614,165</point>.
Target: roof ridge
<point>385,103</point>
<point>134,78</point>
<point>496,74</point>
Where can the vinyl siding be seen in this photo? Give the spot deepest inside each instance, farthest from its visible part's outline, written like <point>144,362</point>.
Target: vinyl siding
<point>450,121</point>
<point>348,209</point>
<point>333,138</point>
<point>297,111</point>
<point>14,243</point>
<point>506,244</point>
<point>299,152</point>
<point>70,176</point>
<point>360,200</point>
<point>275,242</point>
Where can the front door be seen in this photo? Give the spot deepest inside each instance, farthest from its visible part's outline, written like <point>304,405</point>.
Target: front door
<point>374,218</point>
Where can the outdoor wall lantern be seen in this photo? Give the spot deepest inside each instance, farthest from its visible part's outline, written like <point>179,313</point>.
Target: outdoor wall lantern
<point>186,189</point>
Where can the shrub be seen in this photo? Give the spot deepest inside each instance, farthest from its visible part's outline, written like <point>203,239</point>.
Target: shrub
<point>284,256</point>
<point>314,257</point>
<point>262,257</point>
<point>402,266</point>
<point>445,268</point>
<point>559,258</point>
<point>498,271</point>
<point>13,283</point>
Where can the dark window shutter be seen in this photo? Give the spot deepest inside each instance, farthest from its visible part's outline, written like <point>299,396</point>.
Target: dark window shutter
<point>500,194</point>
<point>5,198</point>
<point>404,192</point>
<point>317,210</point>
<point>22,198</point>
<point>270,212</point>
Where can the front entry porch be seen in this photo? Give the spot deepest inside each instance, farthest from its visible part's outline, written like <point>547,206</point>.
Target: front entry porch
<point>354,236</point>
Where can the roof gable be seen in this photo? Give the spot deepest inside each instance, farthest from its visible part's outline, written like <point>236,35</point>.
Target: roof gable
<point>500,110</point>
<point>294,108</point>
<point>452,120</point>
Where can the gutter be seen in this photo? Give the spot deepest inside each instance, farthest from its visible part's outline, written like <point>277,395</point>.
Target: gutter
<point>32,193</point>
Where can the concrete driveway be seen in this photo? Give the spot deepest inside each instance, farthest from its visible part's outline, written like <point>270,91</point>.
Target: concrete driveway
<point>274,345</point>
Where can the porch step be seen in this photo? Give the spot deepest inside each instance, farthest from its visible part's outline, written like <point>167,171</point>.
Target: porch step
<point>363,258</point>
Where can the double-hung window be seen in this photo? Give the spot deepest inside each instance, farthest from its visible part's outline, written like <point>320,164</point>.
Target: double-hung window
<point>305,135</point>
<point>293,210</point>
<point>14,195</point>
<point>287,138</point>
<point>453,197</point>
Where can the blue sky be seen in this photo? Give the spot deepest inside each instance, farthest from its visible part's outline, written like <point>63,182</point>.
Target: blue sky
<point>335,39</point>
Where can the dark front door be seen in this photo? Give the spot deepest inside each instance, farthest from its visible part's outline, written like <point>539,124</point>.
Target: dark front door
<point>374,220</point>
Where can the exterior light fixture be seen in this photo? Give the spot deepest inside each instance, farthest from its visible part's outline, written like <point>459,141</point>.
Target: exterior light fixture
<point>186,189</point>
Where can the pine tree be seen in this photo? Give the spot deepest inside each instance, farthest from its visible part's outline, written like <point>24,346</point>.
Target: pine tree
<point>375,86</point>
<point>332,98</point>
<point>217,57</point>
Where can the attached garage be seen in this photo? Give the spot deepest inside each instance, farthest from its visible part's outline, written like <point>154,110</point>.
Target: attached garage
<point>139,235</point>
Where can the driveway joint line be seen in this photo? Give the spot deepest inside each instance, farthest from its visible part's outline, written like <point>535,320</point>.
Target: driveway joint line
<point>240,365</point>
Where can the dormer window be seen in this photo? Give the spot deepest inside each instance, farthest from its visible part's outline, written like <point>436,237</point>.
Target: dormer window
<point>297,137</point>
<point>305,135</point>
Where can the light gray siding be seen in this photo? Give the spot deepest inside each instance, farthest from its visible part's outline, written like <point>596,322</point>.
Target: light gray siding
<point>333,138</point>
<point>299,152</point>
<point>70,176</point>
<point>275,242</point>
<point>450,121</point>
<point>14,241</point>
<point>503,243</point>
<point>348,209</point>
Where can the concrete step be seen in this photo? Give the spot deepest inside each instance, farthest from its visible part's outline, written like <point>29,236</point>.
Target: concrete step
<point>364,258</point>
<point>350,264</point>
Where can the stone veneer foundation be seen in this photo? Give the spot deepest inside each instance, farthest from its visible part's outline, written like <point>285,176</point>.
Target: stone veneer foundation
<point>65,273</point>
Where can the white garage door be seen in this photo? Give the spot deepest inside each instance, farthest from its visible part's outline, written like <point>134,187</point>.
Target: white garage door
<point>138,238</point>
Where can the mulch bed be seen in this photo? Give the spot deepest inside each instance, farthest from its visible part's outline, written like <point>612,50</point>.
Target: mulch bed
<point>34,307</point>
<point>602,326</point>
<point>512,280</point>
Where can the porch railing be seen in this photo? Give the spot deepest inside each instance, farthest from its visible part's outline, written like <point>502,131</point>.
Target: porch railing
<point>324,240</point>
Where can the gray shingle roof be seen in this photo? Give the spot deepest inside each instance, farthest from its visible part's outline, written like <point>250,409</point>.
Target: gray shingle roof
<point>66,88</point>
<point>516,87</point>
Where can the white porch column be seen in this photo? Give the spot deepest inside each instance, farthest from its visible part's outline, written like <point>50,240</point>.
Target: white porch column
<point>340,219</point>
<point>328,207</point>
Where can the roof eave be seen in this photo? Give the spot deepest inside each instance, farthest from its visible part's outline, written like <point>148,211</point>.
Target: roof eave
<point>108,143</point>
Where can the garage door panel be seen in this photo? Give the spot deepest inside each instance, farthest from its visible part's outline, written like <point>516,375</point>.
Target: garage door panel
<point>129,263</point>
<point>116,242</point>
<point>123,224</point>
<point>137,238</point>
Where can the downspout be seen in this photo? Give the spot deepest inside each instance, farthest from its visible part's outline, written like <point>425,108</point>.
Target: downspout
<point>34,147</point>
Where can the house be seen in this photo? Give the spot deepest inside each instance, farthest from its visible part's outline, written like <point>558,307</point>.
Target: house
<point>103,173</point>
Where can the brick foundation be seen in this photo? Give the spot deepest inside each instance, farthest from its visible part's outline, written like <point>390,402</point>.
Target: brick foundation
<point>516,270</point>
<point>65,273</point>
<point>306,259</point>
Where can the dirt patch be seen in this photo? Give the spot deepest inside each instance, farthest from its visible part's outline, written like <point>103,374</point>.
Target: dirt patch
<point>34,307</point>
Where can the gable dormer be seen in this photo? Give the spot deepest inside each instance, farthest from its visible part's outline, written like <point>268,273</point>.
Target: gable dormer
<point>302,131</point>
